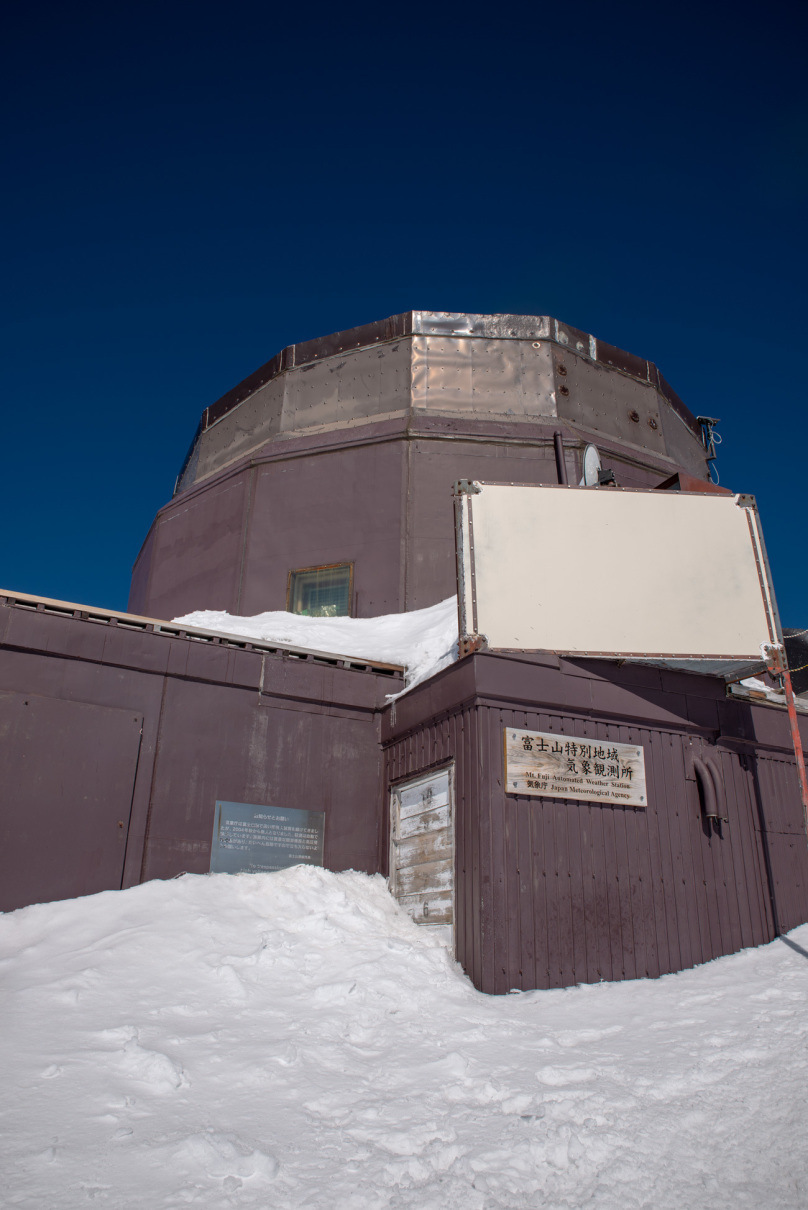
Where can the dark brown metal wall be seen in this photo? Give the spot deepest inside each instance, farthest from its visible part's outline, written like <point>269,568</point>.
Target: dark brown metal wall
<point>551,893</point>
<point>432,468</point>
<point>117,742</point>
<point>192,556</point>
<point>779,822</point>
<point>379,497</point>
<point>67,772</point>
<point>342,506</point>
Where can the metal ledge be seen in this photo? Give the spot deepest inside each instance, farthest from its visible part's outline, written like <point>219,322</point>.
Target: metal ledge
<point>133,621</point>
<point>414,323</point>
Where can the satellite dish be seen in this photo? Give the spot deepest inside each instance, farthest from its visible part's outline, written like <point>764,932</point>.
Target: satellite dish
<point>591,467</point>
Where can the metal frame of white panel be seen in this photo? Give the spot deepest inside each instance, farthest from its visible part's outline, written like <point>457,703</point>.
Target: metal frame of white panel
<point>612,572</point>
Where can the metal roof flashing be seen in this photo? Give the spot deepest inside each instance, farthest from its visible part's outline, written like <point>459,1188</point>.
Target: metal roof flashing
<point>447,324</point>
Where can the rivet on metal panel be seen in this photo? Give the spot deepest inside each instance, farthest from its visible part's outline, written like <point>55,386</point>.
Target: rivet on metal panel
<point>635,416</point>
<point>563,389</point>
<point>536,344</point>
<point>652,423</point>
<point>562,369</point>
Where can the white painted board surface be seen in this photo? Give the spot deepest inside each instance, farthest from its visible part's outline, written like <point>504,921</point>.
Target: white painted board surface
<point>613,572</point>
<point>422,847</point>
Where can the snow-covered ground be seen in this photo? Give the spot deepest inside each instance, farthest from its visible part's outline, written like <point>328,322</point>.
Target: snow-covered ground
<point>424,640</point>
<point>293,1040</point>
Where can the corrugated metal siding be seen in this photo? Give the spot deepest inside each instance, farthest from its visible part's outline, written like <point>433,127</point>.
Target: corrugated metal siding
<point>550,892</point>
<point>787,861</point>
<point>779,795</point>
<point>781,826</point>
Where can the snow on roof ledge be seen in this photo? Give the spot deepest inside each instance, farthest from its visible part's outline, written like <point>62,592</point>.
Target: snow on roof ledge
<point>182,628</point>
<point>423,641</point>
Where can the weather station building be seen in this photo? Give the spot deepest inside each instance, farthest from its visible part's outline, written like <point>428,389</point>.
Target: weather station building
<point>341,453</point>
<point>331,482</point>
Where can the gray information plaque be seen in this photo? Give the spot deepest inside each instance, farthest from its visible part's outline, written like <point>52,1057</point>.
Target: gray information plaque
<point>255,839</point>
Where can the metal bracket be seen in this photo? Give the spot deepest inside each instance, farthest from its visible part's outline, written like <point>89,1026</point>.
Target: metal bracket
<point>466,487</point>
<point>708,437</point>
<point>746,501</point>
<point>775,656</point>
<point>470,643</point>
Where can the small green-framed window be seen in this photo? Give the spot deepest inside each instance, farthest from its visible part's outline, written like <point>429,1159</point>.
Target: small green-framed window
<point>321,592</point>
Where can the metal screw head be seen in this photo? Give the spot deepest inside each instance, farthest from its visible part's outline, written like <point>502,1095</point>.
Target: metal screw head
<point>562,369</point>
<point>563,389</point>
<point>635,416</point>
<point>652,423</point>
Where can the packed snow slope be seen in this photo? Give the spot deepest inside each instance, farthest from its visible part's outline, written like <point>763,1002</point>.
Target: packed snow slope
<point>424,640</point>
<point>293,1040</point>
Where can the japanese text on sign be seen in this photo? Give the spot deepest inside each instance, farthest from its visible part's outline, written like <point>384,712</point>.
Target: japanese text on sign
<point>565,766</point>
<point>260,838</point>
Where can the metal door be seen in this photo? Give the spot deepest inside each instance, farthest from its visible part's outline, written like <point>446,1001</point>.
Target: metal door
<point>67,773</point>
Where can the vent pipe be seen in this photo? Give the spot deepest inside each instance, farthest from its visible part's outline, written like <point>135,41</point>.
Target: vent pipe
<point>561,466</point>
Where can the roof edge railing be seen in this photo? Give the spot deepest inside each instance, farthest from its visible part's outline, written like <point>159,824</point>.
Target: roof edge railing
<point>134,621</point>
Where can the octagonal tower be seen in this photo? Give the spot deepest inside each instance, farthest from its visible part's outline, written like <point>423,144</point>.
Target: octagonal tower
<point>330,469</point>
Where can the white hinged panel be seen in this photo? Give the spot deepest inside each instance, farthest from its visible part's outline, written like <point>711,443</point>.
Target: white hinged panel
<point>614,572</point>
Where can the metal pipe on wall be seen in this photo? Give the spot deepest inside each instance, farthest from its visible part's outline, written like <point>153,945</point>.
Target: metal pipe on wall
<point>718,787</point>
<point>709,805</point>
<point>561,466</point>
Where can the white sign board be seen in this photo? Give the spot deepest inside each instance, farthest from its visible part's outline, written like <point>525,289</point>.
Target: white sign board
<point>568,766</point>
<point>612,571</point>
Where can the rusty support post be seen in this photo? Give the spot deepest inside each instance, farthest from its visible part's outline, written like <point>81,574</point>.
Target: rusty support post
<point>777,665</point>
<point>796,739</point>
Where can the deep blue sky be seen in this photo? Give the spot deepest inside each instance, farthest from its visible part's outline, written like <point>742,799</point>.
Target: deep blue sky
<point>189,187</point>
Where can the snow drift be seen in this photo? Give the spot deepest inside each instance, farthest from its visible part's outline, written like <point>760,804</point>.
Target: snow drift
<point>294,1040</point>
<point>424,640</point>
